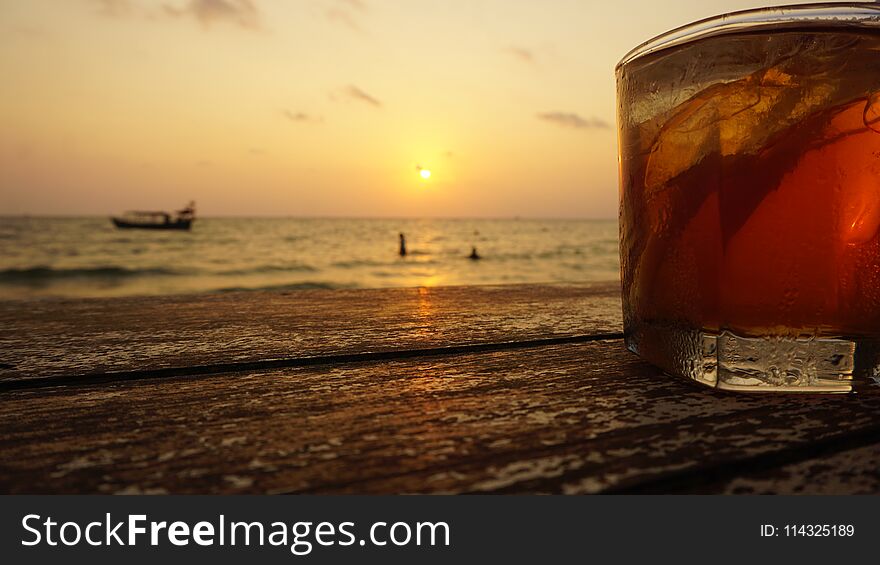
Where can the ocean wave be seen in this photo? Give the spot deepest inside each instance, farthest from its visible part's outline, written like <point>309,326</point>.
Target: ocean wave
<point>307,285</point>
<point>355,263</point>
<point>42,273</point>
<point>262,269</point>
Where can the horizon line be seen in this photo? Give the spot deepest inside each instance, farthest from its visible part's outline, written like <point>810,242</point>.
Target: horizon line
<point>329,217</point>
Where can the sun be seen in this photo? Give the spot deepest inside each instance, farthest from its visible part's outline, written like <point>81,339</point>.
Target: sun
<point>425,173</point>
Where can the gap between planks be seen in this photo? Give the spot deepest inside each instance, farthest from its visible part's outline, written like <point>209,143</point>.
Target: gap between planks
<point>332,359</point>
<point>710,478</point>
<point>714,476</point>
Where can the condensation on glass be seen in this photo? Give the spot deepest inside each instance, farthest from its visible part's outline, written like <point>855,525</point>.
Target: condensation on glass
<point>750,199</point>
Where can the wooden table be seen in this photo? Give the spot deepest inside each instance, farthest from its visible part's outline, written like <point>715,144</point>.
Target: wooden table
<point>508,389</point>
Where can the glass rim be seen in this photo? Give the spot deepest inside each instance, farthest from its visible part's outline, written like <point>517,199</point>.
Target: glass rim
<point>865,14</point>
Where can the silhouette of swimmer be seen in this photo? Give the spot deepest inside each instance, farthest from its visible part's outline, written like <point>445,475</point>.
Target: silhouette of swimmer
<point>402,245</point>
<point>474,255</point>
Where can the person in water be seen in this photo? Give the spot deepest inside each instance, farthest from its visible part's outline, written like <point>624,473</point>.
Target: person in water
<point>402,245</point>
<point>474,255</point>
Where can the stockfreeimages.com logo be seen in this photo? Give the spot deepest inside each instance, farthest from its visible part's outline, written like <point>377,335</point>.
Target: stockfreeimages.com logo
<point>300,537</point>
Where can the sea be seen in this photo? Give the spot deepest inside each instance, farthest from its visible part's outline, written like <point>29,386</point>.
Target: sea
<point>89,257</point>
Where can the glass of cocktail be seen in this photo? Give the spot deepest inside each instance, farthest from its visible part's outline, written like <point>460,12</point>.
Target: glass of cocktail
<point>750,199</point>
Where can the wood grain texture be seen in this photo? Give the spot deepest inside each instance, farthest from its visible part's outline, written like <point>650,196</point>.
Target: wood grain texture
<point>852,471</point>
<point>575,418</point>
<point>40,338</point>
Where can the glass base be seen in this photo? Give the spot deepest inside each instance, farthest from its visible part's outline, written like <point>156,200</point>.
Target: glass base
<point>727,361</point>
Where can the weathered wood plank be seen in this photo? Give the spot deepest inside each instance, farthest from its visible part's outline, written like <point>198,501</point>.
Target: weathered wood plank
<point>575,418</point>
<point>61,337</point>
<point>852,471</point>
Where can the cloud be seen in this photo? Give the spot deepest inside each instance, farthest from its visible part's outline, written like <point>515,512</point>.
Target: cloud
<point>356,93</point>
<point>570,120</point>
<point>347,13</point>
<point>302,117</point>
<point>30,32</point>
<point>113,8</point>
<point>522,54</point>
<point>243,13</point>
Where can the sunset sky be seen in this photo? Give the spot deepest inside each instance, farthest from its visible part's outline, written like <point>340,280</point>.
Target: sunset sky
<point>318,107</point>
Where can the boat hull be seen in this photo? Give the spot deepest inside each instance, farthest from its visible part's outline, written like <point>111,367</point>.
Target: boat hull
<point>180,224</point>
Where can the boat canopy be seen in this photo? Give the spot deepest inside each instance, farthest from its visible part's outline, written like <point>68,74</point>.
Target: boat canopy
<point>145,213</point>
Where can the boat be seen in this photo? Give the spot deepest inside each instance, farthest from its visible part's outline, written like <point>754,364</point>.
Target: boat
<point>136,219</point>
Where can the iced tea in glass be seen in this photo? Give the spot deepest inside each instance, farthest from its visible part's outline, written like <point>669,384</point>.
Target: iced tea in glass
<point>750,199</point>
